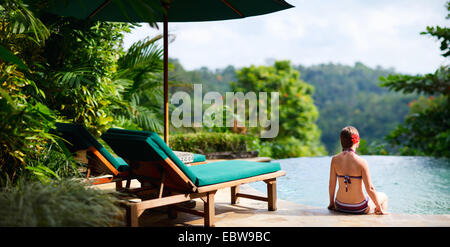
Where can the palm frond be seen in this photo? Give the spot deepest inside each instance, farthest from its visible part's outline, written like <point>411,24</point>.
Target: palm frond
<point>145,117</point>
<point>22,20</point>
<point>139,73</point>
<point>122,85</point>
<point>74,77</point>
<point>144,55</point>
<point>148,120</point>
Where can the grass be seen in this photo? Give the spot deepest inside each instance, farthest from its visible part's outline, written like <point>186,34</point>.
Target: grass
<point>58,203</point>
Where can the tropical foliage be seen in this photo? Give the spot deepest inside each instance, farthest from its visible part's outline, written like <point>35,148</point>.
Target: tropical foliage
<point>80,60</point>
<point>63,69</point>
<point>139,76</point>
<point>426,130</point>
<point>25,121</point>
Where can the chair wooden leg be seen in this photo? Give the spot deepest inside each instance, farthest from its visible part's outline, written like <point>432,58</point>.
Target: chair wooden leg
<point>172,213</point>
<point>234,197</point>
<point>171,210</point>
<point>161,186</point>
<point>88,174</point>
<point>133,213</point>
<point>272,194</point>
<point>132,220</point>
<point>209,209</point>
<point>118,185</point>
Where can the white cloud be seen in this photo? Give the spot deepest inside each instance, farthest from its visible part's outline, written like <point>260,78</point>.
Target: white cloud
<point>382,33</point>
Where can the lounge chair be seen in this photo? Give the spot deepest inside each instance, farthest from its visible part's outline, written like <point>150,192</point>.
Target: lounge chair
<point>152,161</point>
<point>100,160</point>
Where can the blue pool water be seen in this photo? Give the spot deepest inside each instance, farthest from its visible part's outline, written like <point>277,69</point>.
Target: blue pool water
<point>414,185</point>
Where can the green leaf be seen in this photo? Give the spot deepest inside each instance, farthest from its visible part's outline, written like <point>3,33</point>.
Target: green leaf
<point>9,57</point>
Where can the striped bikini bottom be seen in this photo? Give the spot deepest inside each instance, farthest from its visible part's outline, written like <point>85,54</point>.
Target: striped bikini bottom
<point>353,208</point>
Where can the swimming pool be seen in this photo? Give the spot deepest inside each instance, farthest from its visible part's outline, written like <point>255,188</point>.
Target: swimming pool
<point>414,185</point>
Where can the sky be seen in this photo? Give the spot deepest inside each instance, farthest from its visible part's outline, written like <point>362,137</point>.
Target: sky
<point>382,33</point>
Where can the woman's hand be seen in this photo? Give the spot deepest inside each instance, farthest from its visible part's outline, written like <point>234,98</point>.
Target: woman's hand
<point>379,211</point>
<point>331,206</point>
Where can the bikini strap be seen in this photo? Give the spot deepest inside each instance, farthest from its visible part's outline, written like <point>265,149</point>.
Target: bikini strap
<point>347,180</point>
<point>349,150</point>
<point>357,177</point>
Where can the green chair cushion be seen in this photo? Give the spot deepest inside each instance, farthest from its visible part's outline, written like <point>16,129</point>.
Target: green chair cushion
<point>80,138</point>
<point>199,158</point>
<point>123,165</point>
<point>223,171</point>
<point>70,133</point>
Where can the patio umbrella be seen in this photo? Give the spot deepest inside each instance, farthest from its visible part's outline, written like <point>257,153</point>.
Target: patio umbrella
<point>164,11</point>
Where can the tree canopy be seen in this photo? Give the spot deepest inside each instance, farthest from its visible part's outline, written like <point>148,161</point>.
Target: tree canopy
<point>426,130</point>
<point>298,133</point>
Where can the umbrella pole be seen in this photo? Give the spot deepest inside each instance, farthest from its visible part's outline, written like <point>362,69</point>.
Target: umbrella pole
<point>166,80</point>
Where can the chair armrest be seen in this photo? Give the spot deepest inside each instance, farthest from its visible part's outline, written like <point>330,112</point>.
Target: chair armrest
<point>196,163</point>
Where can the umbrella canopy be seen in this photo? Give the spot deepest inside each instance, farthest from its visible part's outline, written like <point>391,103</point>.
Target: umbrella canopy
<point>164,11</point>
<point>178,11</point>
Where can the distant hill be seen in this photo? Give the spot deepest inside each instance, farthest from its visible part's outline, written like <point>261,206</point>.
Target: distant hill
<point>218,80</point>
<point>350,95</point>
<point>344,95</point>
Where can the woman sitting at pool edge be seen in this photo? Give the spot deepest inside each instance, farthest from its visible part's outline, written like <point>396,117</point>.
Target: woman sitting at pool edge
<point>351,171</point>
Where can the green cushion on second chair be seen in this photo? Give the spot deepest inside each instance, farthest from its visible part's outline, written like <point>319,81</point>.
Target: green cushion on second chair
<point>224,171</point>
<point>199,158</point>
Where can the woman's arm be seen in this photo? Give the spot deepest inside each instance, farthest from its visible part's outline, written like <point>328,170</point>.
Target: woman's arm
<point>370,189</point>
<point>332,184</point>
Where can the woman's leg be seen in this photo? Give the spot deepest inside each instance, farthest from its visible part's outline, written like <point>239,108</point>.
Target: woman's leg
<point>382,199</point>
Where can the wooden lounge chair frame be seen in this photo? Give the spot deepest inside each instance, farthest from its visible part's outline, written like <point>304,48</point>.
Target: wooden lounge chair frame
<point>98,163</point>
<point>174,187</point>
<point>87,153</point>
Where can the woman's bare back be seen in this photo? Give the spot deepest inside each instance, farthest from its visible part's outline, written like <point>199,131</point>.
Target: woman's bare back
<point>349,164</point>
